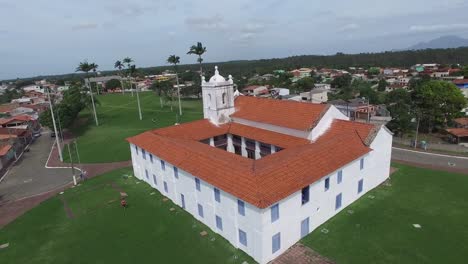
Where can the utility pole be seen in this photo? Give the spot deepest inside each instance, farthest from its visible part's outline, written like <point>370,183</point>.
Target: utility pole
<point>71,159</point>
<point>55,127</point>
<point>417,131</point>
<point>77,154</point>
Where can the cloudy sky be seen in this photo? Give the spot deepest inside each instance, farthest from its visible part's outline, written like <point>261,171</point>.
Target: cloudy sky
<point>53,36</point>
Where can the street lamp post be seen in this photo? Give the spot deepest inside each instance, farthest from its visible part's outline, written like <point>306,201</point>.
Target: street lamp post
<point>71,160</point>
<point>55,126</point>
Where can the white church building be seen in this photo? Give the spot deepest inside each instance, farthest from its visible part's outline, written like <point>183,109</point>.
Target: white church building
<point>262,173</point>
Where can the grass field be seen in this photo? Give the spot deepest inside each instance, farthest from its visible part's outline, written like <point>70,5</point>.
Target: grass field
<point>118,119</point>
<point>381,230</point>
<point>103,232</point>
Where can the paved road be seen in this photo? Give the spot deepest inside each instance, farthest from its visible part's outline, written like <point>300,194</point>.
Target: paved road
<point>29,175</point>
<point>431,160</point>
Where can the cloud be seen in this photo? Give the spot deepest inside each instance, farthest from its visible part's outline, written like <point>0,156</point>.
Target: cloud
<point>254,28</point>
<point>84,26</point>
<point>214,23</point>
<point>438,27</point>
<point>349,27</point>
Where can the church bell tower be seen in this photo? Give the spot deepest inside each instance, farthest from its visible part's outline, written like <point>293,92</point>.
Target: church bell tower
<point>218,98</point>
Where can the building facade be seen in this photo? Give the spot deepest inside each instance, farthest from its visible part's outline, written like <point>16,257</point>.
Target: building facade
<point>262,173</point>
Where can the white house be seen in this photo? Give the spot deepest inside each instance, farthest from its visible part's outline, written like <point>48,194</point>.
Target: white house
<point>262,173</point>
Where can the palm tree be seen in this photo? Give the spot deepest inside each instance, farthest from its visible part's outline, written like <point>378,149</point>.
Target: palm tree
<point>198,50</point>
<point>86,68</point>
<point>128,61</point>
<point>173,59</point>
<point>119,65</point>
<point>94,67</point>
<point>132,72</point>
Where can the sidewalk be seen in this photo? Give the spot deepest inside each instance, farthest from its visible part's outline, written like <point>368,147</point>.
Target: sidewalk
<point>436,147</point>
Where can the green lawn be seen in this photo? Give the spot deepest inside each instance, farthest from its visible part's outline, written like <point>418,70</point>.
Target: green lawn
<point>103,232</point>
<point>118,119</point>
<point>381,229</point>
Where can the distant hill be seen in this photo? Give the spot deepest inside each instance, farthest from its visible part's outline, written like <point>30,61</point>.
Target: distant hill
<point>444,42</point>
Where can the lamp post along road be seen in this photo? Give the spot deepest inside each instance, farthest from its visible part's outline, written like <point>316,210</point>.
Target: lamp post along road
<point>57,137</point>
<point>92,101</point>
<point>71,160</point>
<point>138,101</point>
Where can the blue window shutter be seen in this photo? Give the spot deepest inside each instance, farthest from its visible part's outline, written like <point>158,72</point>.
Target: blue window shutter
<point>165,187</point>
<point>155,180</point>
<point>305,195</point>
<point>274,213</point>
<point>219,223</point>
<point>151,157</point>
<point>242,237</point>
<point>147,175</point>
<point>217,195</point>
<point>339,177</point>
<point>182,200</point>
<point>136,149</point>
<point>338,202</point>
<point>360,185</point>
<point>197,184</point>
<point>163,165</point>
<point>276,242</point>
<point>200,210</point>
<point>305,227</point>
<point>241,207</point>
<point>176,172</point>
<point>362,163</point>
<point>143,152</point>
<point>327,184</point>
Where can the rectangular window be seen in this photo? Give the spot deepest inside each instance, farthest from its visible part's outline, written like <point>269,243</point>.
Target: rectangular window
<point>305,227</point>
<point>274,213</point>
<point>182,200</point>
<point>360,185</point>
<point>200,210</point>
<point>241,207</point>
<point>165,187</point>
<point>305,194</point>
<point>275,242</point>
<point>197,184</point>
<point>147,175</point>
<point>338,202</point>
<point>242,237</point>
<point>151,158</point>
<point>143,153</point>
<point>219,223</point>
<point>176,172</point>
<point>217,195</point>
<point>155,180</point>
<point>339,177</point>
<point>362,163</point>
<point>136,149</point>
<point>327,184</point>
<point>163,165</point>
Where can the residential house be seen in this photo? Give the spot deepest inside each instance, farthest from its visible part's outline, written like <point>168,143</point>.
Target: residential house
<point>262,173</point>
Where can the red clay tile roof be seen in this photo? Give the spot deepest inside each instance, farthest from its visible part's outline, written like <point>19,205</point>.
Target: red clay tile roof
<point>462,121</point>
<point>290,114</point>
<point>260,182</point>
<point>4,121</point>
<point>458,132</point>
<point>4,150</point>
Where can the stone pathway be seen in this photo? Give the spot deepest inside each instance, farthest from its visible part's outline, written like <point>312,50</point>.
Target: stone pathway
<point>300,254</point>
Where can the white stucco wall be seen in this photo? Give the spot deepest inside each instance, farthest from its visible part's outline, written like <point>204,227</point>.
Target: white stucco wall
<point>227,209</point>
<point>257,222</point>
<point>325,122</point>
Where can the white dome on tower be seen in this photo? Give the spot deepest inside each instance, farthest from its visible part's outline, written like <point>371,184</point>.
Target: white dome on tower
<point>216,77</point>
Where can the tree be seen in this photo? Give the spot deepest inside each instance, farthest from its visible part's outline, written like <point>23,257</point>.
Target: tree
<point>305,84</point>
<point>174,60</point>
<point>400,107</point>
<point>128,62</point>
<point>162,89</point>
<point>382,85</point>
<point>86,68</point>
<point>94,68</point>
<point>119,65</point>
<point>113,84</point>
<point>438,103</point>
<point>198,50</point>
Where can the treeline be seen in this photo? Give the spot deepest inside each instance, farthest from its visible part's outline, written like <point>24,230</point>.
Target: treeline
<point>340,61</point>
